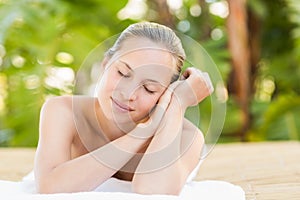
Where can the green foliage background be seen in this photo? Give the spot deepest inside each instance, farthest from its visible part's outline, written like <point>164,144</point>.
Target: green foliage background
<point>34,32</point>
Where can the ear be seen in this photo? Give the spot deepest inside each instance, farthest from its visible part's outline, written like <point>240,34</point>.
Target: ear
<point>103,65</point>
<point>104,62</point>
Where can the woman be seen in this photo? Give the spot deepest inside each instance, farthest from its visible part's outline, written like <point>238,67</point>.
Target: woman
<point>134,129</point>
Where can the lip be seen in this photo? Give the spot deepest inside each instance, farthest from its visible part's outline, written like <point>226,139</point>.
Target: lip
<point>121,106</point>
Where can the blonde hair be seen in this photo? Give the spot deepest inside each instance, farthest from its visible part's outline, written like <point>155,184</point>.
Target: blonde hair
<point>157,33</point>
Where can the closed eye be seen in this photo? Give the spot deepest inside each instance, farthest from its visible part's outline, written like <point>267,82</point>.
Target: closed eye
<point>148,90</point>
<point>123,75</point>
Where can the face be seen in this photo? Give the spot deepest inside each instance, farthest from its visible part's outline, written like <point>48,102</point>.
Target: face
<point>134,80</point>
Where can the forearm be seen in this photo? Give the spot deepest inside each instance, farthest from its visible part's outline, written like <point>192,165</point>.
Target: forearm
<point>160,167</point>
<point>86,172</point>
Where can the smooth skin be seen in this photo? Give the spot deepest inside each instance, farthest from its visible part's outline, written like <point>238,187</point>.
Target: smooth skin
<point>113,134</point>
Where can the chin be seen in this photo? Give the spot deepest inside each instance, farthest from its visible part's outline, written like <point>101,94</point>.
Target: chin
<point>144,119</point>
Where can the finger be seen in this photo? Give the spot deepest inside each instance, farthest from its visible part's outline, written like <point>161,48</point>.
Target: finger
<point>162,105</point>
<point>187,72</point>
<point>208,82</point>
<point>165,98</point>
<point>174,85</point>
<point>205,77</point>
<point>164,101</point>
<point>191,71</point>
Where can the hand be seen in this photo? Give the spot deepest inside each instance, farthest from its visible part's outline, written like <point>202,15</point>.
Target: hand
<point>149,127</point>
<point>194,88</point>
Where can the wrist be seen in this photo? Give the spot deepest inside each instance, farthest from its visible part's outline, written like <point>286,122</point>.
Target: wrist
<point>143,130</point>
<point>179,104</point>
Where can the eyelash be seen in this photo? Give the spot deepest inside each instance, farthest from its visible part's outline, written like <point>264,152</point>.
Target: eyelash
<point>127,76</point>
<point>149,91</point>
<point>124,75</point>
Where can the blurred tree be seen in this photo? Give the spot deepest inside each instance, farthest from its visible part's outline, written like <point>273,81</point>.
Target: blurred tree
<point>164,15</point>
<point>276,101</point>
<point>238,42</point>
<point>44,42</point>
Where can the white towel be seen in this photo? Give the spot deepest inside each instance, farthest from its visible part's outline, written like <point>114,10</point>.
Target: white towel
<point>115,189</point>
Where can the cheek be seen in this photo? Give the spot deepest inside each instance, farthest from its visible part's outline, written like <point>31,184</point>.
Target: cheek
<point>109,82</point>
<point>148,102</point>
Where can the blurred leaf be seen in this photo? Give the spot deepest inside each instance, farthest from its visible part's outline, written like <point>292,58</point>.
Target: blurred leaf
<point>37,31</point>
<point>281,119</point>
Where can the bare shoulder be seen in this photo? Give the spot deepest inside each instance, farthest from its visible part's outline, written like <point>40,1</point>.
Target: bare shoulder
<point>56,119</point>
<point>60,111</point>
<point>66,104</point>
<point>56,106</point>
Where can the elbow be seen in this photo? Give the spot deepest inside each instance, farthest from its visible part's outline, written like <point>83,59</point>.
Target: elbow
<point>155,189</point>
<point>45,187</point>
<point>139,189</point>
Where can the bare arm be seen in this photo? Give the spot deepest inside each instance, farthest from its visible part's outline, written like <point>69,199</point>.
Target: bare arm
<point>162,169</point>
<point>170,158</point>
<point>56,171</point>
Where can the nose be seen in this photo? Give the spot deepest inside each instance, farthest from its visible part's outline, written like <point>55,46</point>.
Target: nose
<point>129,95</point>
<point>129,92</point>
<point>133,97</point>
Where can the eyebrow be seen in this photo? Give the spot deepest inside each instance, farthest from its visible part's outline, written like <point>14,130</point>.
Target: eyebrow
<point>128,66</point>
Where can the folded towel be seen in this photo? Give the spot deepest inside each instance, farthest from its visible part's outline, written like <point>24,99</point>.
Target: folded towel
<point>115,189</point>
